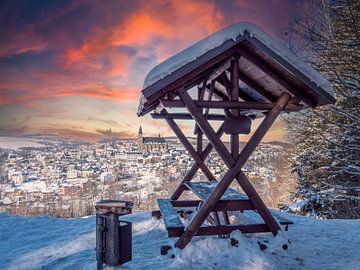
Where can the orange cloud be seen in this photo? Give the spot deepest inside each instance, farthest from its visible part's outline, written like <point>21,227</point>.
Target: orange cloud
<point>141,28</point>
<point>104,50</point>
<point>91,90</point>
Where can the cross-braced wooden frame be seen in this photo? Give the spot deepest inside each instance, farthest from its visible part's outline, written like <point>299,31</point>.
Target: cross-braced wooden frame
<point>247,76</point>
<point>233,159</point>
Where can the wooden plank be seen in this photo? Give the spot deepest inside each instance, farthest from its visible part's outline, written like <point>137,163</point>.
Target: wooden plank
<point>227,229</point>
<point>258,88</point>
<point>223,205</point>
<point>243,105</point>
<point>222,229</point>
<point>204,189</point>
<point>186,116</point>
<point>169,214</point>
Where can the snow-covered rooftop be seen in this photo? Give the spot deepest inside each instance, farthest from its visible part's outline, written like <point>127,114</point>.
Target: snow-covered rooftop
<point>233,32</point>
<point>308,84</point>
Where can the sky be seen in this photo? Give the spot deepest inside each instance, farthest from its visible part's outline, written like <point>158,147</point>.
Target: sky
<point>76,68</point>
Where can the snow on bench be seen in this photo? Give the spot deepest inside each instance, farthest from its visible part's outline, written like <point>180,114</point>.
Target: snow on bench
<point>204,189</point>
<point>169,214</point>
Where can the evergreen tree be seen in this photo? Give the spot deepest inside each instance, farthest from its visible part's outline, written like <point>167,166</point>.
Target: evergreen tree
<point>327,139</point>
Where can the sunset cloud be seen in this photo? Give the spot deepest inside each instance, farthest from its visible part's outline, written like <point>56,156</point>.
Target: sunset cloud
<point>55,50</point>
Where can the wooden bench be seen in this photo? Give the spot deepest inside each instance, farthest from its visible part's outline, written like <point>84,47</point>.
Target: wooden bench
<point>171,219</point>
<point>232,200</point>
<point>204,189</point>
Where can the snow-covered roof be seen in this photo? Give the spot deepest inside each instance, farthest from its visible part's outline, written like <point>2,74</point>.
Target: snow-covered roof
<point>250,39</point>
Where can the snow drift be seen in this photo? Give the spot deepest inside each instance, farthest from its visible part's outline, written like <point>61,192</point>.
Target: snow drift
<point>53,243</point>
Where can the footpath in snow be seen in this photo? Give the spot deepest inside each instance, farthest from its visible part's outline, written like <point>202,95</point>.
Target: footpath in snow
<point>53,243</point>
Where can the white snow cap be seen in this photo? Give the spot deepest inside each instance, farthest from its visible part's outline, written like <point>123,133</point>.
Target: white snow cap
<point>233,32</point>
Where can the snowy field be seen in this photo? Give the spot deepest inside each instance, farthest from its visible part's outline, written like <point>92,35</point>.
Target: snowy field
<point>15,143</point>
<point>51,243</point>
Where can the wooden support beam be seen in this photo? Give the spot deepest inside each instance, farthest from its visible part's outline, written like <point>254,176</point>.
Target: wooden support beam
<point>220,94</point>
<point>232,105</point>
<point>186,116</point>
<point>227,229</point>
<point>234,138</point>
<point>269,70</point>
<point>258,88</point>
<point>190,148</point>
<point>211,91</point>
<point>223,80</point>
<point>221,229</point>
<point>199,141</point>
<point>201,95</point>
<point>235,167</point>
<point>195,167</point>
<point>216,218</point>
<point>226,217</point>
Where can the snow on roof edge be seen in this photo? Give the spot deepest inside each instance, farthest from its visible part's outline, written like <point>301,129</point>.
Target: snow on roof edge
<point>233,32</point>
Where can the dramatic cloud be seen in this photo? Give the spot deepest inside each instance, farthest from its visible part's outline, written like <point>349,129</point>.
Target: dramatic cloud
<point>103,50</point>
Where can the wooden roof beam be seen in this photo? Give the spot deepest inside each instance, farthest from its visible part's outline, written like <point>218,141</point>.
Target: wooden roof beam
<point>262,106</point>
<point>224,80</point>
<point>220,94</point>
<point>258,88</point>
<point>272,73</point>
<point>186,116</point>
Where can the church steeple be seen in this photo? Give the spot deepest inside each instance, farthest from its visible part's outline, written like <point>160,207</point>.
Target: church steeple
<point>140,138</point>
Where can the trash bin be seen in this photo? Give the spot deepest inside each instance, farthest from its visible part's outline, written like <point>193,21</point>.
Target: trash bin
<point>113,236</point>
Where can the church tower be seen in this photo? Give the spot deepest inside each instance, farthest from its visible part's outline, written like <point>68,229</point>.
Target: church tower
<point>140,138</point>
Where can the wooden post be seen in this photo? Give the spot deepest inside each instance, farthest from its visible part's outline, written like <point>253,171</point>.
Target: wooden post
<point>234,138</point>
<point>190,148</point>
<point>235,167</point>
<point>198,132</point>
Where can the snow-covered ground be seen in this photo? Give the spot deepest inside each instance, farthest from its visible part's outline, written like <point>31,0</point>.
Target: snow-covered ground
<point>15,143</point>
<point>51,243</point>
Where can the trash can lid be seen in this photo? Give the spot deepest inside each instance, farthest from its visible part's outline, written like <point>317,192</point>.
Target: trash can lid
<point>115,206</point>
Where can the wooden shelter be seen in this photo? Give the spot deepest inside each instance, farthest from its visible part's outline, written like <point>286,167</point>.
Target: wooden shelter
<point>244,74</point>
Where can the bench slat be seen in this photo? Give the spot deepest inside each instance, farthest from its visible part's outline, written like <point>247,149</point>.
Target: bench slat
<point>169,214</point>
<point>204,189</point>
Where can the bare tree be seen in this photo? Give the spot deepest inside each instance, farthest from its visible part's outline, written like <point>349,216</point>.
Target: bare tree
<point>327,153</point>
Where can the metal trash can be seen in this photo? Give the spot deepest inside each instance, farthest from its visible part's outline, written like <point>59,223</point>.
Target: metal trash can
<point>113,236</point>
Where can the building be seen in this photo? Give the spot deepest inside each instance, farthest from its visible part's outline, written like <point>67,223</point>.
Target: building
<point>151,143</point>
<point>17,177</point>
<point>106,177</point>
<point>71,174</point>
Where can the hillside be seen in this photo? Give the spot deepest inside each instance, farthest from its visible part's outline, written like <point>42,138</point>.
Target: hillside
<point>52,243</point>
